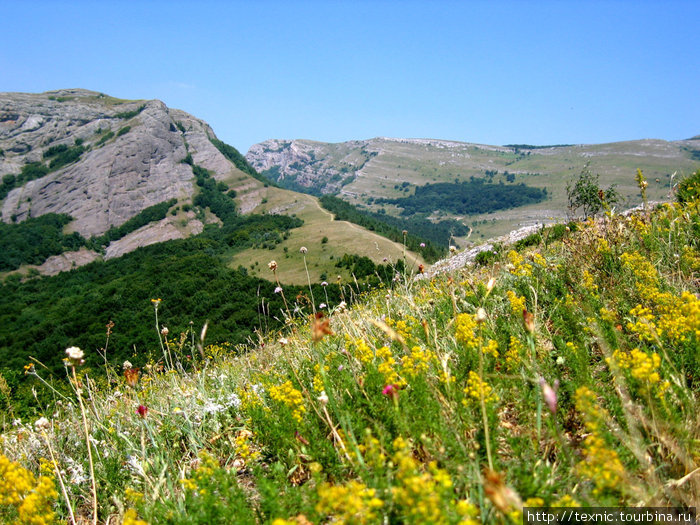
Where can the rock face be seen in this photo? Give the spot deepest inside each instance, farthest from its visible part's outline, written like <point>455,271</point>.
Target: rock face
<point>315,167</point>
<point>132,158</point>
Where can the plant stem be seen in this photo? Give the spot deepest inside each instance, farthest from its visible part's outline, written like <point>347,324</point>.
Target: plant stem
<point>89,448</point>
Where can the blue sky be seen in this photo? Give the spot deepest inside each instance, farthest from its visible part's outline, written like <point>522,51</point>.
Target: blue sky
<point>489,72</point>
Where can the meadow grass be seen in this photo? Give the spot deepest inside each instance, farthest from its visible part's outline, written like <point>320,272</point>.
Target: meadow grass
<point>565,374</point>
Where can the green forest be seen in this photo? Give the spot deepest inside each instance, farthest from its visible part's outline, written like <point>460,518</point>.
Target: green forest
<point>467,198</point>
<point>435,236</point>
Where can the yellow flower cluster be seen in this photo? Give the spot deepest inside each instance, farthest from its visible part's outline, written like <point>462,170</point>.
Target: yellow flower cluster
<point>515,348</point>
<point>402,327</point>
<point>644,327</point>
<point>607,315</point>
<point>589,282</point>
<point>131,518</point>
<point>386,367</point>
<point>474,389</point>
<point>491,348</point>
<point>243,448</point>
<point>600,464</point>
<point>680,317</point>
<point>419,494</point>
<point>351,503</point>
<point>642,367</point>
<point>465,324</point>
<point>418,362</point>
<point>644,272</point>
<point>203,473</point>
<point>362,351</point>
<point>291,397</point>
<point>32,498</point>
<point>517,303</point>
<point>517,265</point>
<point>317,380</point>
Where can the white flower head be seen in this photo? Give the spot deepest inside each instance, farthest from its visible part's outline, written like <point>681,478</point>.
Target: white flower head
<point>42,424</point>
<point>75,355</point>
<point>127,365</point>
<point>303,249</point>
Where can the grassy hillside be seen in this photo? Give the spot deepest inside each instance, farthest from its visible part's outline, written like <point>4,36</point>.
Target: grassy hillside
<point>383,168</point>
<point>326,240</point>
<point>563,375</point>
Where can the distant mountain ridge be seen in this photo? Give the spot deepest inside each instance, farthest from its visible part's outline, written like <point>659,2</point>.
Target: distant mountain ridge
<point>365,171</point>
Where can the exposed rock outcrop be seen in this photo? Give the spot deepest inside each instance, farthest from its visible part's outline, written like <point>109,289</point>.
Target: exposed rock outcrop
<point>132,160</point>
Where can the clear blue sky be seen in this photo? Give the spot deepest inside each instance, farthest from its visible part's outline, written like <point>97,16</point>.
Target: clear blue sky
<point>488,72</point>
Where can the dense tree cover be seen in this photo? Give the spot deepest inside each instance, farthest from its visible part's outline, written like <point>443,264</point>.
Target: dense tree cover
<point>153,213</point>
<point>467,198</point>
<point>33,240</point>
<point>239,160</point>
<point>435,236</point>
<point>363,267</point>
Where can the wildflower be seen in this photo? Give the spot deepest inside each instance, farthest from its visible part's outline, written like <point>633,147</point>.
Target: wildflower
<point>291,397</point>
<point>324,284</point>
<point>156,302</point>
<point>422,245</point>
<point>278,289</point>
<point>549,394</point>
<point>30,369</point>
<point>342,306</point>
<point>132,376</point>
<point>323,398</point>
<point>142,411</point>
<point>453,249</point>
<point>283,341</point>
<point>131,518</point>
<point>42,424</point>
<point>480,316</point>
<point>320,327</point>
<point>164,331</point>
<point>529,321</point>
<point>127,365</point>
<point>322,306</point>
<point>391,391</point>
<point>303,250</point>
<point>272,265</point>
<point>476,388</point>
<point>350,503</point>
<point>421,268</point>
<point>75,356</point>
<point>490,284</point>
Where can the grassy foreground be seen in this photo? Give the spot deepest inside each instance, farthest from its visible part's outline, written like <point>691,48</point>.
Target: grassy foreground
<point>567,374</point>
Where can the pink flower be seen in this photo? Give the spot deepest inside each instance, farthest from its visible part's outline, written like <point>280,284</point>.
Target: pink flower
<point>550,394</point>
<point>391,391</point>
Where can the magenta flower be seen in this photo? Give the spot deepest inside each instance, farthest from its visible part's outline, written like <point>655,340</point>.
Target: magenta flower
<point>391,391</point>
<point>142,411</point>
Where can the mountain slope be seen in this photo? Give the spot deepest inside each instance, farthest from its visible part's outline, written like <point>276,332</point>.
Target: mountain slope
<point>366,170</point>
<point>103,161</point>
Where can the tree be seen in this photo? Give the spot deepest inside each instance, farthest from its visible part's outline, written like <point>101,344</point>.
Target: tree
<point>584,193</point>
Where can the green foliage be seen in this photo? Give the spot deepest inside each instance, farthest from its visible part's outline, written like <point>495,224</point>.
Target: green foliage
<point>428,401</point>
<point>153,213</point>
<point>130,114</point>
<point>63,155</point>
<point>689,188</point>
<point>585,194</point>
<point>467,198</point>
<point>239,160</point>
<point>108,134</point>
<point>33,240</point>
<point>420,231</point>
<point>123,131</point>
